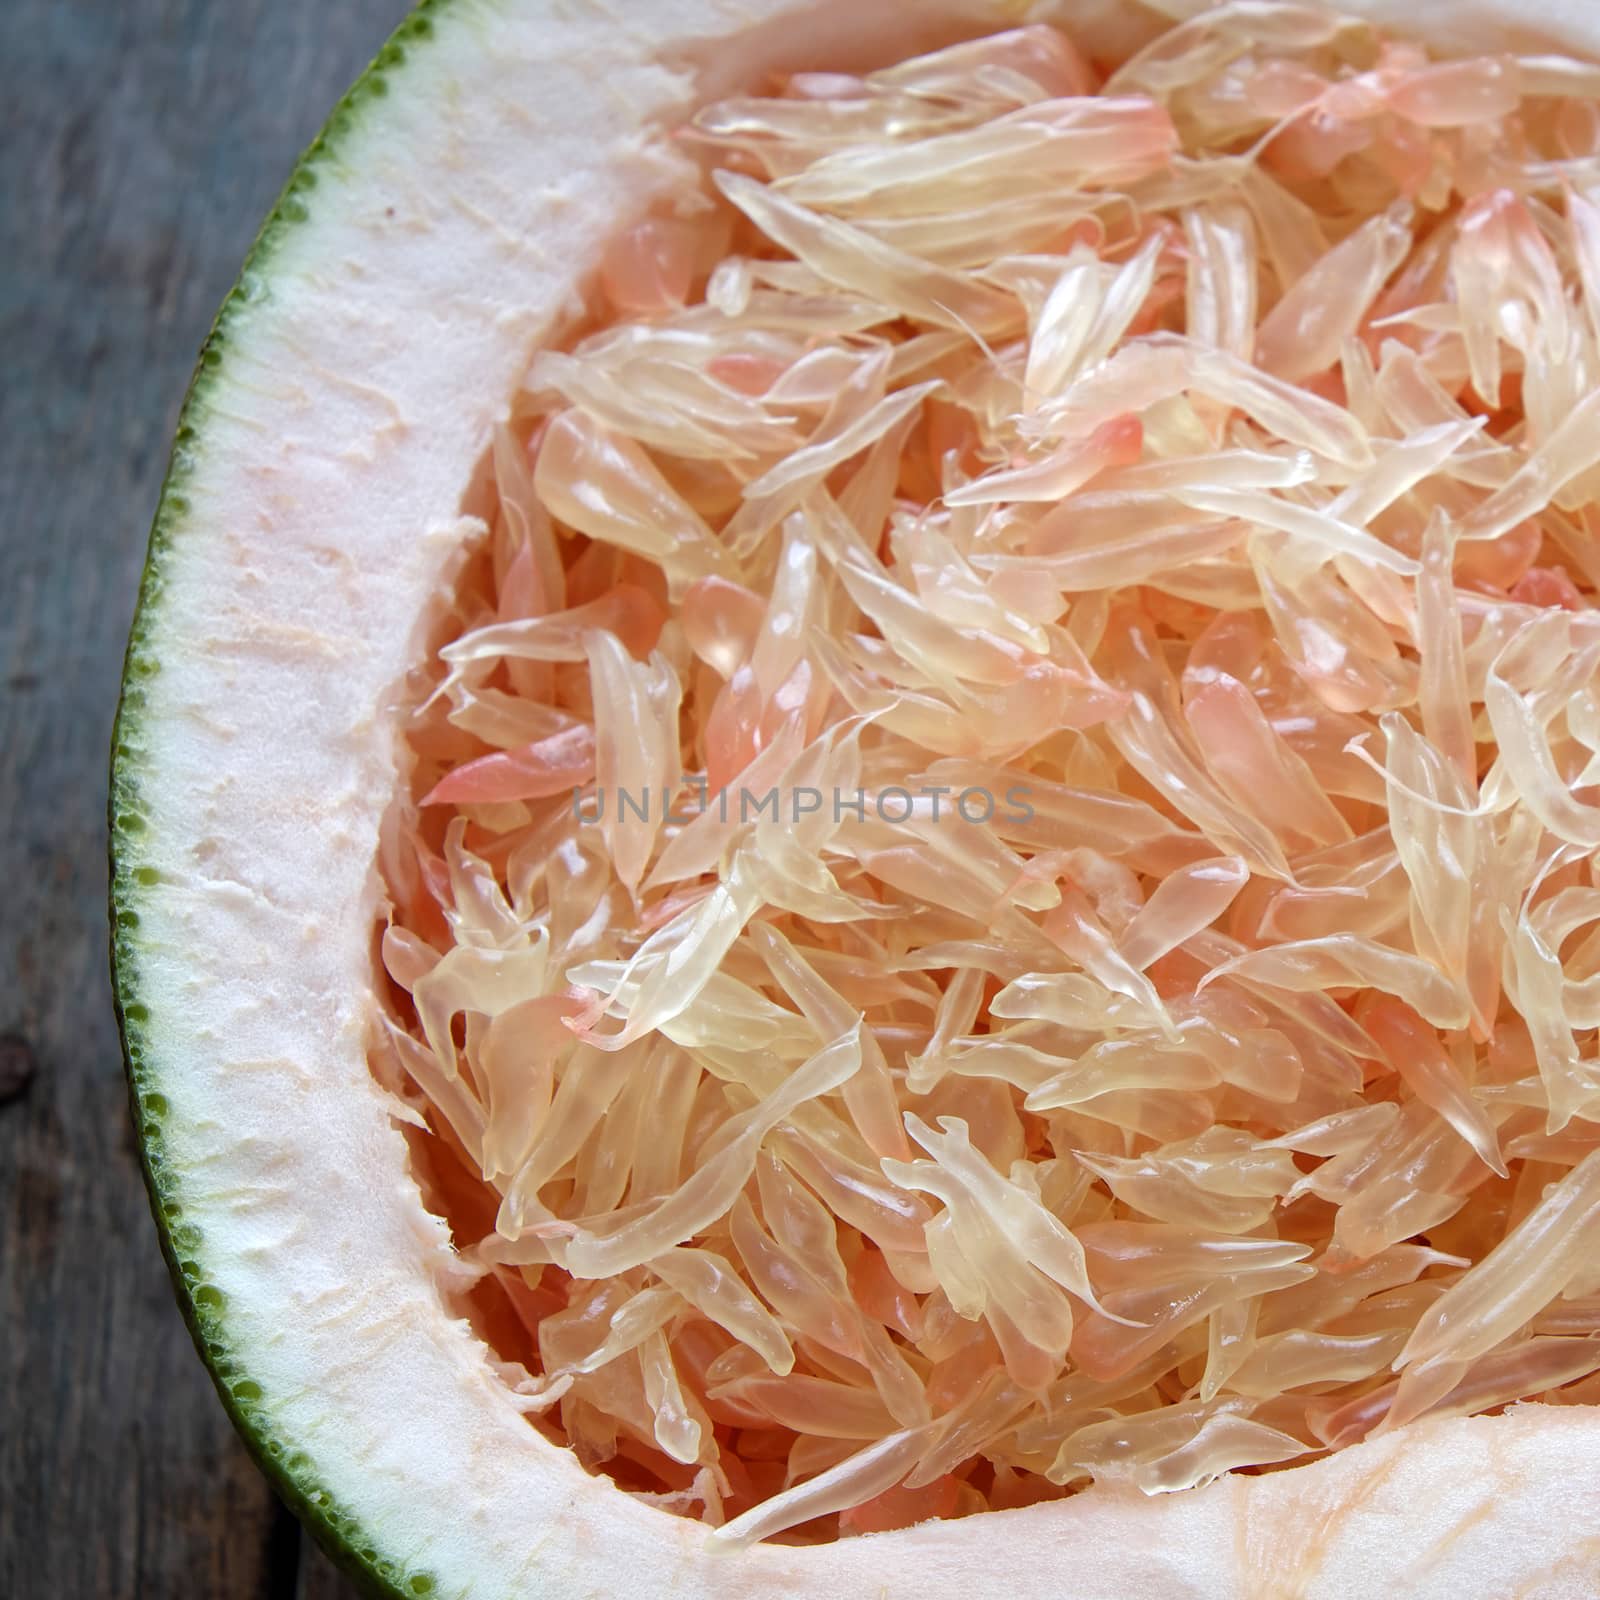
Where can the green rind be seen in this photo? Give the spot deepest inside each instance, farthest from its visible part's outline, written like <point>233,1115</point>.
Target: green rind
<point>290,1472</point>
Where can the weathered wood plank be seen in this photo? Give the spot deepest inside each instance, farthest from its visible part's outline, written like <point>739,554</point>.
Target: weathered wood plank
<point>142,141</point>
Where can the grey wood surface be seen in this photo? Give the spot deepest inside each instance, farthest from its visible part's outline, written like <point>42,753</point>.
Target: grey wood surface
<point>141,141</point>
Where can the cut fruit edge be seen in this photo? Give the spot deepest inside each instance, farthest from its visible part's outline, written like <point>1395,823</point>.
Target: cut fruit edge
<point>434,237</point>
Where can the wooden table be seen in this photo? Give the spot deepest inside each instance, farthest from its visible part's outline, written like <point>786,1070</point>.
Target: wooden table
<point>141,142</point>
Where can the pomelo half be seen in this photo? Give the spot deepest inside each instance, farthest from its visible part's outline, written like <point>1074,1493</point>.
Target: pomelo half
<point>312,531</point>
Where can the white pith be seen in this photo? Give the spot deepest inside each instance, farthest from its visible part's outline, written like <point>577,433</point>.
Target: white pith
<point>446,236</point>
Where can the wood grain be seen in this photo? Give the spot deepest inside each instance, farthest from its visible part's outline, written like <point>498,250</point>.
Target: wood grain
<point>142,142</point>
